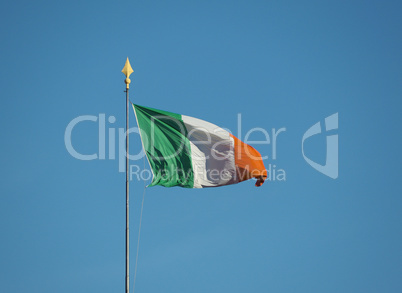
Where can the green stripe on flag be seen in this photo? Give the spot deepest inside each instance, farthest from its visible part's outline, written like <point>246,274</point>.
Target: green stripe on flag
<point>165,142</point>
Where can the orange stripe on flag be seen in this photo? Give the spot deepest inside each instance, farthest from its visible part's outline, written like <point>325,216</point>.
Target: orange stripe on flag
<point>248,162</point>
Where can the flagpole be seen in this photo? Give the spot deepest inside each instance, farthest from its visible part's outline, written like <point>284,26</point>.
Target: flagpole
<point>127,70</point>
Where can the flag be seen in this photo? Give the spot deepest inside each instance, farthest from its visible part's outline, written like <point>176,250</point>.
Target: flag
<point>192,153</point>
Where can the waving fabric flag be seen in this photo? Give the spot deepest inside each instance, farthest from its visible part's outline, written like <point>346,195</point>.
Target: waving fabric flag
<point>189,152</point>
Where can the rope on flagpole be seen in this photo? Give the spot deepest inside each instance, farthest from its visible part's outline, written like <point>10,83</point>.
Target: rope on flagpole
<point>139,232</point>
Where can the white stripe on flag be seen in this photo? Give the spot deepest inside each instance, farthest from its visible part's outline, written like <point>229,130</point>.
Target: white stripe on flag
<point>212,153</point>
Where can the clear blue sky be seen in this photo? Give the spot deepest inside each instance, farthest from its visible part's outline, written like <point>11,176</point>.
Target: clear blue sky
<point>278,63</point>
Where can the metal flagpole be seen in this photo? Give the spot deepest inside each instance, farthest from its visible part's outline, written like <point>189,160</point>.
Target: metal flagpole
<point>127,70</point>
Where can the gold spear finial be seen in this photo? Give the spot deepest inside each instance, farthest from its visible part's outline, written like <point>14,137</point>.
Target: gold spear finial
<point>127,70</point>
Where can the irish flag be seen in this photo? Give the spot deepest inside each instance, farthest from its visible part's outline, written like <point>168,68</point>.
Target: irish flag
<point>189,152</point>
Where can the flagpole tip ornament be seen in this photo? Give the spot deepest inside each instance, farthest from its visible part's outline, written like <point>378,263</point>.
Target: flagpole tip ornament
<point>127,70</point>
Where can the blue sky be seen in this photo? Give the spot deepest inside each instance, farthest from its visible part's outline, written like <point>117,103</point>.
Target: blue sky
<point>280,64</point>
